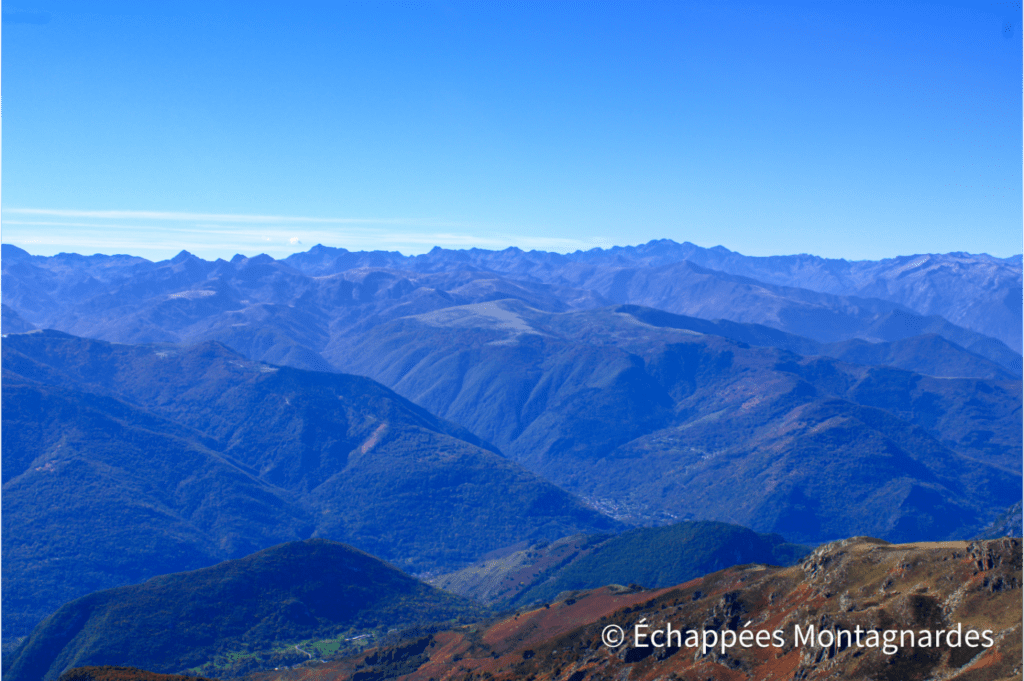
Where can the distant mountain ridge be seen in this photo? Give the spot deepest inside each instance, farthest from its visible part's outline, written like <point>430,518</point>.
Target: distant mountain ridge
<point>930,353</point>
<point>13,323</point>
<point>979,292</point>
<point>287,311</point>
<point>663,423</point>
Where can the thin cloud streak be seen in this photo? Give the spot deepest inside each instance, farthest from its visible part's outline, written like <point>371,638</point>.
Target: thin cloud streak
<point>206,234</point>
<point>227,217</point>
<point>364,235</point>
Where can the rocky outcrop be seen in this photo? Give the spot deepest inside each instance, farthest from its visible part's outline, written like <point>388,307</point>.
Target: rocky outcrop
<point>959,601</point>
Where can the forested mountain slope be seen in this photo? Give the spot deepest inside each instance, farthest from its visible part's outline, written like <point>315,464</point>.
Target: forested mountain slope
<point>126,461</point>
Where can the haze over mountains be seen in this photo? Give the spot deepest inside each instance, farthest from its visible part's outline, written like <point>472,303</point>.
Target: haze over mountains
<point>655,423</point>
<point>122,462</point>
<point>304,301</point>
<point>431,410</point>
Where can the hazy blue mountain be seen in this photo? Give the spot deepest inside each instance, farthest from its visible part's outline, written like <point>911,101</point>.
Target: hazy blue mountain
<point>928,354</point>
<point>125,461</point>
<point>654,423</point>
<point>1010,523</point>
<point>263,308</point>
<point>689,289</point>
<point>977,292</point>
<point>12,322</point>
<point>288,311</point>
<point>284,594</point>
<point>97,493</point>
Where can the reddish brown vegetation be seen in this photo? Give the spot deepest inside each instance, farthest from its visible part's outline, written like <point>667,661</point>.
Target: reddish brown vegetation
<point>843,585</point>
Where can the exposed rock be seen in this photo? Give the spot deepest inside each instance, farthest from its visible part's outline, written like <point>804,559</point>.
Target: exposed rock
<point>937,588</point>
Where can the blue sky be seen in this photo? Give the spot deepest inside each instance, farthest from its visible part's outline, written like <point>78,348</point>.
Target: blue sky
<point>857,129</point>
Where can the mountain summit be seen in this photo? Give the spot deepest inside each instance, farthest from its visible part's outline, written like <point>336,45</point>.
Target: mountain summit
<point>286,593</point>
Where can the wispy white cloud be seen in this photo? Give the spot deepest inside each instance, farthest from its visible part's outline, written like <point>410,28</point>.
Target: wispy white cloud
<point>159,234</point>
<point>172,216</point>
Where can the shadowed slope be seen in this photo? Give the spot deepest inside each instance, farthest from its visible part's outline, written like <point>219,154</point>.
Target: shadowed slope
<point>219,456</point>
<point>651,557</point>
<point>178,621</point>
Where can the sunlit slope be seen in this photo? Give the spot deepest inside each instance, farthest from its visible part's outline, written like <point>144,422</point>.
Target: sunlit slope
<point>661,423</point>
<point>861,582</point>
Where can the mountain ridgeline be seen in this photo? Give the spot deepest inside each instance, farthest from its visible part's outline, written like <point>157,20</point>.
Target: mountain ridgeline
<point>301,590</point>
<point>653,421</point>
<point>938,592</point>
<point>126,461</point>
<point>509,425</point>
<point>649,557</point>
<point>287,311</point>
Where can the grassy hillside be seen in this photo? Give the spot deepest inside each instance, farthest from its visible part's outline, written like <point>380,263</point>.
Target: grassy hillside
<point>856,583</point>
<point>650,557</point>
<point>285,594</point>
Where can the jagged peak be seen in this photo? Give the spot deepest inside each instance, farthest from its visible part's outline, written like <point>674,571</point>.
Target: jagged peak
<point>181,257</point>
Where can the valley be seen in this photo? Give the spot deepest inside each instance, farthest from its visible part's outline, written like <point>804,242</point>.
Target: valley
<point>202,456</point>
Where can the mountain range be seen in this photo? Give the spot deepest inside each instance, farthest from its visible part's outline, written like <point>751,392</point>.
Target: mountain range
<point>287,311</point>
<point>656,423</point>
<point>126,461</point>
<point>978,292</point>
<point>495,421</point>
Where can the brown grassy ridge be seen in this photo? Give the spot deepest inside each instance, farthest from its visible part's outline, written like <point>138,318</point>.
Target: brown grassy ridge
<point>856,582</point>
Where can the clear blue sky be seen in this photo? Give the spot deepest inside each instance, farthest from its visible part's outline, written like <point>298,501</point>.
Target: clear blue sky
<point>845,129</point>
